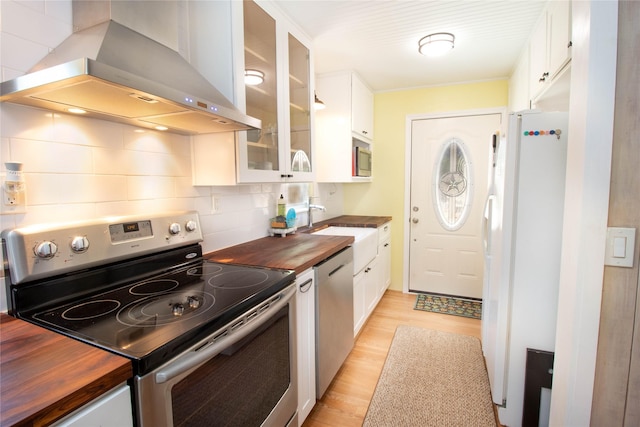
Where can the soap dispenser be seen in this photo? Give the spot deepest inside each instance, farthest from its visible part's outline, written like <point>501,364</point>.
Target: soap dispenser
<point>281,206</point>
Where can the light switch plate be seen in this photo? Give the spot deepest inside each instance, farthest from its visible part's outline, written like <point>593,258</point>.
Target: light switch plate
<point>620,247</point>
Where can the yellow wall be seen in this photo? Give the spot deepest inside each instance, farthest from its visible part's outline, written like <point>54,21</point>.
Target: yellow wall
<point>385,195</point>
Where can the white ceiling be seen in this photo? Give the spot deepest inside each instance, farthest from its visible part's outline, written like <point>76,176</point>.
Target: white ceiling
<point>379,38</point>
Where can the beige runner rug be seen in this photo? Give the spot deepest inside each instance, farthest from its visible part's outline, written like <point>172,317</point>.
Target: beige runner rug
<point>432,378</point>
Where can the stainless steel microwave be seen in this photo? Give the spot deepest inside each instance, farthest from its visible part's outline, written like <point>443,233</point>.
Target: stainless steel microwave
<point>361,162</point>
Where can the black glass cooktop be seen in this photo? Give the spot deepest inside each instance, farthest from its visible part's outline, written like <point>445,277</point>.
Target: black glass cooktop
<point>159,313</point>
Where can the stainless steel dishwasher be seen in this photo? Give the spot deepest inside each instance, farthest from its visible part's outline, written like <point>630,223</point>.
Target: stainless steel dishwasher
<point>334,316</point>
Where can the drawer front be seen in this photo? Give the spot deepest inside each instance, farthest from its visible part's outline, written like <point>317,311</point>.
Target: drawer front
<point>384,232</point>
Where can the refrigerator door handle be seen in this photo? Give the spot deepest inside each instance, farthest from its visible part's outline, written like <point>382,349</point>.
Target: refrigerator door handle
<point>486,224</point>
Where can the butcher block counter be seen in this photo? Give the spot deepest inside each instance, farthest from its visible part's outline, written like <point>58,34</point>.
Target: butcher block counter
<point>298,251</point>
<point>45,375</point>
<point>354,221</point>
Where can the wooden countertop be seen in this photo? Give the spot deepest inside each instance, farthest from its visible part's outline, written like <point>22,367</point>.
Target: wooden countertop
<point>354,221</point>
<point>45,375</point>
<point>298,251</point>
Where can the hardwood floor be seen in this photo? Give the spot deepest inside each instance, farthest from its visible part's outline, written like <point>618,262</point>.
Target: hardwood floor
<point>346,400</point>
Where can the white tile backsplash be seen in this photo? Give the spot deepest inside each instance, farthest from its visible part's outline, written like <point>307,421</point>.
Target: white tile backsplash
<point>45,29</point>
<point>51,157</point>
<point>156,142</point>
<point>150,187</point>
<point>26,123</point>
<point>80,130</point>
<point>108,161</point>
<point>19,54</point>
<point>61,10</point>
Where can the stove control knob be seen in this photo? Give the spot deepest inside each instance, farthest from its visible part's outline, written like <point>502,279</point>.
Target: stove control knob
<point>191,226</point>
<point>174,228</point>
<point>194,302</point>
<point>79,244</point>
<point>46,250</point>
<point>177,309</point>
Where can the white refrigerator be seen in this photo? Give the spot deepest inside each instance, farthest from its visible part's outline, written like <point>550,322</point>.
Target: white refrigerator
<point>522,228</point>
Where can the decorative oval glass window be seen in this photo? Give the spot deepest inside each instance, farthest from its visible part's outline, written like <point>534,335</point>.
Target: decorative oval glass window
<point>452,184</point>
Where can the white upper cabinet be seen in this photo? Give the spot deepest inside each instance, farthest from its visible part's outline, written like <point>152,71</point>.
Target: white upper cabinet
<point>345,122</point>
<point>550,48</point>
<point>266,43</point>
<point>272,46</point>
<point>559,17</point>
<point>361,109</point>
<point>259,150</point>
<point>538,63</point>
<point>300,158</point>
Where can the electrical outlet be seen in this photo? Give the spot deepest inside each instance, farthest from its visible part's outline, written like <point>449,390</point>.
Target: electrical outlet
<point>13,198</point>
<point>13,201</point>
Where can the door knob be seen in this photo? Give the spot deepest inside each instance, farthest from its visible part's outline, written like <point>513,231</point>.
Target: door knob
<point>415,220</point>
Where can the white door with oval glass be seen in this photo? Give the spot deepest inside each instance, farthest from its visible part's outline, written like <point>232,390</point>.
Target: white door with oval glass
<point>450,160</point>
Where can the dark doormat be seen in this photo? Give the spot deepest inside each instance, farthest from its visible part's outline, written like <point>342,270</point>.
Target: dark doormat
<point>449,305</point>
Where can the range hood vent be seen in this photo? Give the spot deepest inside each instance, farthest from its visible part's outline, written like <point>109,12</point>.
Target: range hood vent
<point>115,73</point>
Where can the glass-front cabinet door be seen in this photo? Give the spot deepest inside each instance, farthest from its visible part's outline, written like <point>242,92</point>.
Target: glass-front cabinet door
<point>299,107</point>
<point>261,89</point>
<point>277,90</point>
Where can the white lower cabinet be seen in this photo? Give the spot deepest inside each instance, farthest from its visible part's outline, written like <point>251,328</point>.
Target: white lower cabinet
<point>113,409</point>
<point>358,302</point>
<point>306,337</point>
<point>384,256</point>
<point>372,279</point>
<point>366,291</point>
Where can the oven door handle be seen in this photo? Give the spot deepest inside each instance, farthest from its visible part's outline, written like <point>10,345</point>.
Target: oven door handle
<point>194,358</point>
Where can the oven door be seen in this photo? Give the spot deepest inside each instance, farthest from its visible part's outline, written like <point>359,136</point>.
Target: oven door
<point>244,374</point>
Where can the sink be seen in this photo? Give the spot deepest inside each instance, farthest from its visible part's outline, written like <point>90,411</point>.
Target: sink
<point>365,245</point>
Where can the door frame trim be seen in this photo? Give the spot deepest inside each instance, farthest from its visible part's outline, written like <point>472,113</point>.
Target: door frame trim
<point>409,119</point>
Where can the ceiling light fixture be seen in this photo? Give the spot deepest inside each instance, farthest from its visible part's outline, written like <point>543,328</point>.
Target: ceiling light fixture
<point>253,77</point>
<point>318,105</point>
<point>436,44</point>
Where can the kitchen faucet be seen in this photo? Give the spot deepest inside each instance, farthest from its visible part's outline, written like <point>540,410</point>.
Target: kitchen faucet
<point>312,207</point>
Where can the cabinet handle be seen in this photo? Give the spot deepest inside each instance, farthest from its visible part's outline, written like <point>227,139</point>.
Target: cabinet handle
<point>364,132</point>
<point>386,244</point>
<point>307,284</point>
<point>569,44</point>
<point>544,77</point>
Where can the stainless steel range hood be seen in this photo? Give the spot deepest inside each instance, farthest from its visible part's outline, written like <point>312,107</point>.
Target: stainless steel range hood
<point>117,74</point>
